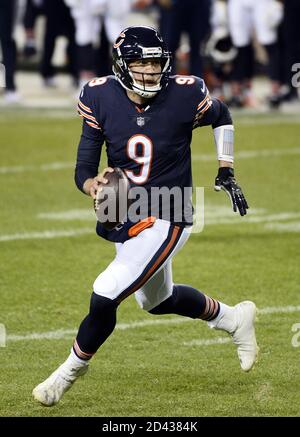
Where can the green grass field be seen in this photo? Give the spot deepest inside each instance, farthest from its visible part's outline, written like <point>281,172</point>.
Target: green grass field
<point>161,369</point>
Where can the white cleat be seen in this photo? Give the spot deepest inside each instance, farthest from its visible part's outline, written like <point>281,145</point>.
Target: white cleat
<point>244,334</point>
<point>50,391</point>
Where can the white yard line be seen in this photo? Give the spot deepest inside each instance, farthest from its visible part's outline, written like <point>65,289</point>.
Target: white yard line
<point>62,334</point>
<point>71,214</point>
<point>51,335</point>
<point>43,167</point>
<point>210,219</point>
<point>210,342</point>
<point>260,119</point>
<point>212,213</point>
<point>279,310</point>
<point>244,154</point>
<point>66,333</point>
<point>236,219</point>
<point>46,234</point>
<point>283,227</point>
<point>248,154</point>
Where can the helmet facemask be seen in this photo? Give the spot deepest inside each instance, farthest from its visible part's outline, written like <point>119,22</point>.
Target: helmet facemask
<point>126,53</point>
<point>143,87</point>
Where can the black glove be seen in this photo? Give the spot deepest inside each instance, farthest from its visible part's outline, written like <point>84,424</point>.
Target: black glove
<point>225,181</point>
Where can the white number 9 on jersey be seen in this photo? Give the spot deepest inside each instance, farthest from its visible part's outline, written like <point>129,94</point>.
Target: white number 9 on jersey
<point>144,159</point>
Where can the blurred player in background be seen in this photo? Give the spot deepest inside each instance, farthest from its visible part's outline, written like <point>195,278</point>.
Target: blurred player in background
<point>58,22</point>
<point>146,119</point>
<point>291,40</point>
<point>8,47</point>
<point>220,51</point>
<point>91,17</point>
<point>33,9</point>
<point>191,17</point>
<point>245,16</point>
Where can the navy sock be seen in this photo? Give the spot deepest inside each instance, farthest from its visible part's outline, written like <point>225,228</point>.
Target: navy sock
<point>189,302</point>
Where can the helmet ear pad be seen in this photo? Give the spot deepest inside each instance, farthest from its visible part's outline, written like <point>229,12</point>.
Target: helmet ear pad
<point>138,43</point>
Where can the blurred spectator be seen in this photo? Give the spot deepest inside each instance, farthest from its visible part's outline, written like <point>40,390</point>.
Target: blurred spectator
<point>191,17</point>
<point>32,10</point>
<point>220,52</point>
<point>291,38</point>
<point>245,16</point>
<point>8,46</point>
<point>58,22</point>
<point>90,17</point>
<point>102,58</point>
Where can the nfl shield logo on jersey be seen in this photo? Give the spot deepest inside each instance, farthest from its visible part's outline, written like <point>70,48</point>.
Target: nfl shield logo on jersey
<point>140,121</point>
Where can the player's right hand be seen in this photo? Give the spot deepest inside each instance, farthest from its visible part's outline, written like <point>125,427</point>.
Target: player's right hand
<point>97,180</point>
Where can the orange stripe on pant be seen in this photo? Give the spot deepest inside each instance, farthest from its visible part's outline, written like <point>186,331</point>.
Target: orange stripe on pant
<point>161,259</point>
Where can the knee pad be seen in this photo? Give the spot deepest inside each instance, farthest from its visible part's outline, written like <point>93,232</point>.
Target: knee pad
<point>115,278</point>
<point>106,284</point>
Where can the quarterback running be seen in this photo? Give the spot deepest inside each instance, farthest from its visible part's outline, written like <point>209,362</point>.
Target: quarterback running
<point>145,116</point>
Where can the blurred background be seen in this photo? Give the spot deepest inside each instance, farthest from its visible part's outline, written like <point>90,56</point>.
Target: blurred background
<point>244,49</point>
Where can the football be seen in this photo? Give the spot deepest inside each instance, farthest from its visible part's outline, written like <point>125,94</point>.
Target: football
<point>111,203</point>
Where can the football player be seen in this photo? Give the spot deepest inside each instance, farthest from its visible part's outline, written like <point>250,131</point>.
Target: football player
<point>146,118</point>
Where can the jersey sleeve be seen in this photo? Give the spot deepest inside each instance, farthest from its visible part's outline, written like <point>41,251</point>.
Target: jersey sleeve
<point>202,102</point>
<point>209,111</point>
<point>91,140</point>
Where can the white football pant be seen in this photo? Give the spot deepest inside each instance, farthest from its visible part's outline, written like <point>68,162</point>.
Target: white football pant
<point>143,265</point>
<point>263,16</point>
<point>87,16</point>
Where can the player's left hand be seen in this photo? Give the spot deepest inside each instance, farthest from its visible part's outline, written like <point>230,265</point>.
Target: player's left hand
<point>225,181</point>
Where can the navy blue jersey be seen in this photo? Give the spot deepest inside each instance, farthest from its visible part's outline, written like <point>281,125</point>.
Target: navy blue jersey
<point>150,144</point>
